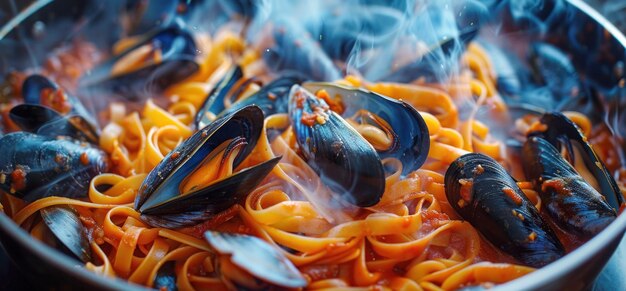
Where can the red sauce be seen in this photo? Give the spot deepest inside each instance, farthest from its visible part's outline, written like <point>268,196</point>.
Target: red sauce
<point>466,189</point>
<point>55,99</point>
<point>478,170</point>
<point>308,119</point>
<point>300,98</point>
<point>334,104</point>
<point>512,195</point>
<point>84,158</point>
<point>557,185</point>
<point>18,179</point>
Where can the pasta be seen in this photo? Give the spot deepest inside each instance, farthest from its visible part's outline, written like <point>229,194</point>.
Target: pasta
<point>412,239</point>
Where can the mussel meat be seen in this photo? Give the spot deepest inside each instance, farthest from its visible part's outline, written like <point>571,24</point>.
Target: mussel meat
<point>565,136</point>
<point>34,166</point>
<point>199,178</point>
<point>344,160</point>
<point>154,61</point>
<point>65,225</point>
<point>571,202</point>
<point>483,193</point>
<point>246,262</point>
<point>407,135</point>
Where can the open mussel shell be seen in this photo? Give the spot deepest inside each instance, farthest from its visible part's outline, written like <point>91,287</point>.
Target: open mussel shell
<point>34,166</point>
<point>271,98</point>
<point>47,122</point>
<point>33,115</point>
<point>159,198</point>
<point>483,193</point>
<point>296,51</point>
<point>30,117</point>
<point>67,228</point>
<point>344,160</point>
<point>256,258</point>
<point>214,102</point>
<point>32,87</point>
<point>446,46</point>
<point>553,69</point>
<point>561,132</point>
<point>178,51</point>
<point>411,138</point>
<point>571,202</point>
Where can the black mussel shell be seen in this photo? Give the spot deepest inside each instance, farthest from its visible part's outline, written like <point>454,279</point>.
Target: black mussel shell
<point>344,160</point>
<point>570,201</point>
<point>561,132</point>
<point>553,69</point>
<point>271,98</point>
<point>446,46</point>
<point>34,166</point>
<point>34,84</point>
<point>178,62</point>
<point>346,29</point>
<point>483,193</point>
<point>214,102</point>
<point>296,51</point>
<point>47,122</point>
<point>65,225</point>
<point>412,140</point>
<point>32,115</point>
<point>158,198</point>
<point>257,258</point>
<point>32,87</point>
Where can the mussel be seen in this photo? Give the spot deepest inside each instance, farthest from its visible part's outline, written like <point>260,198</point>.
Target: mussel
<point>553,69</point>
<point>408,138</point>
<point>295,50</point>
<point>199,178</point>
<point>483,193</point>
<point>454,27</point>
<point>49,110</point>
<point>34,166</point>
<point>344,160</point>
<point>271,98</point>
<point>571,202</point>
<point>68,232</point>
<point>344,30</point>
<point>157,59</point>
<point>564,135</point>
<point>248,263</point>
